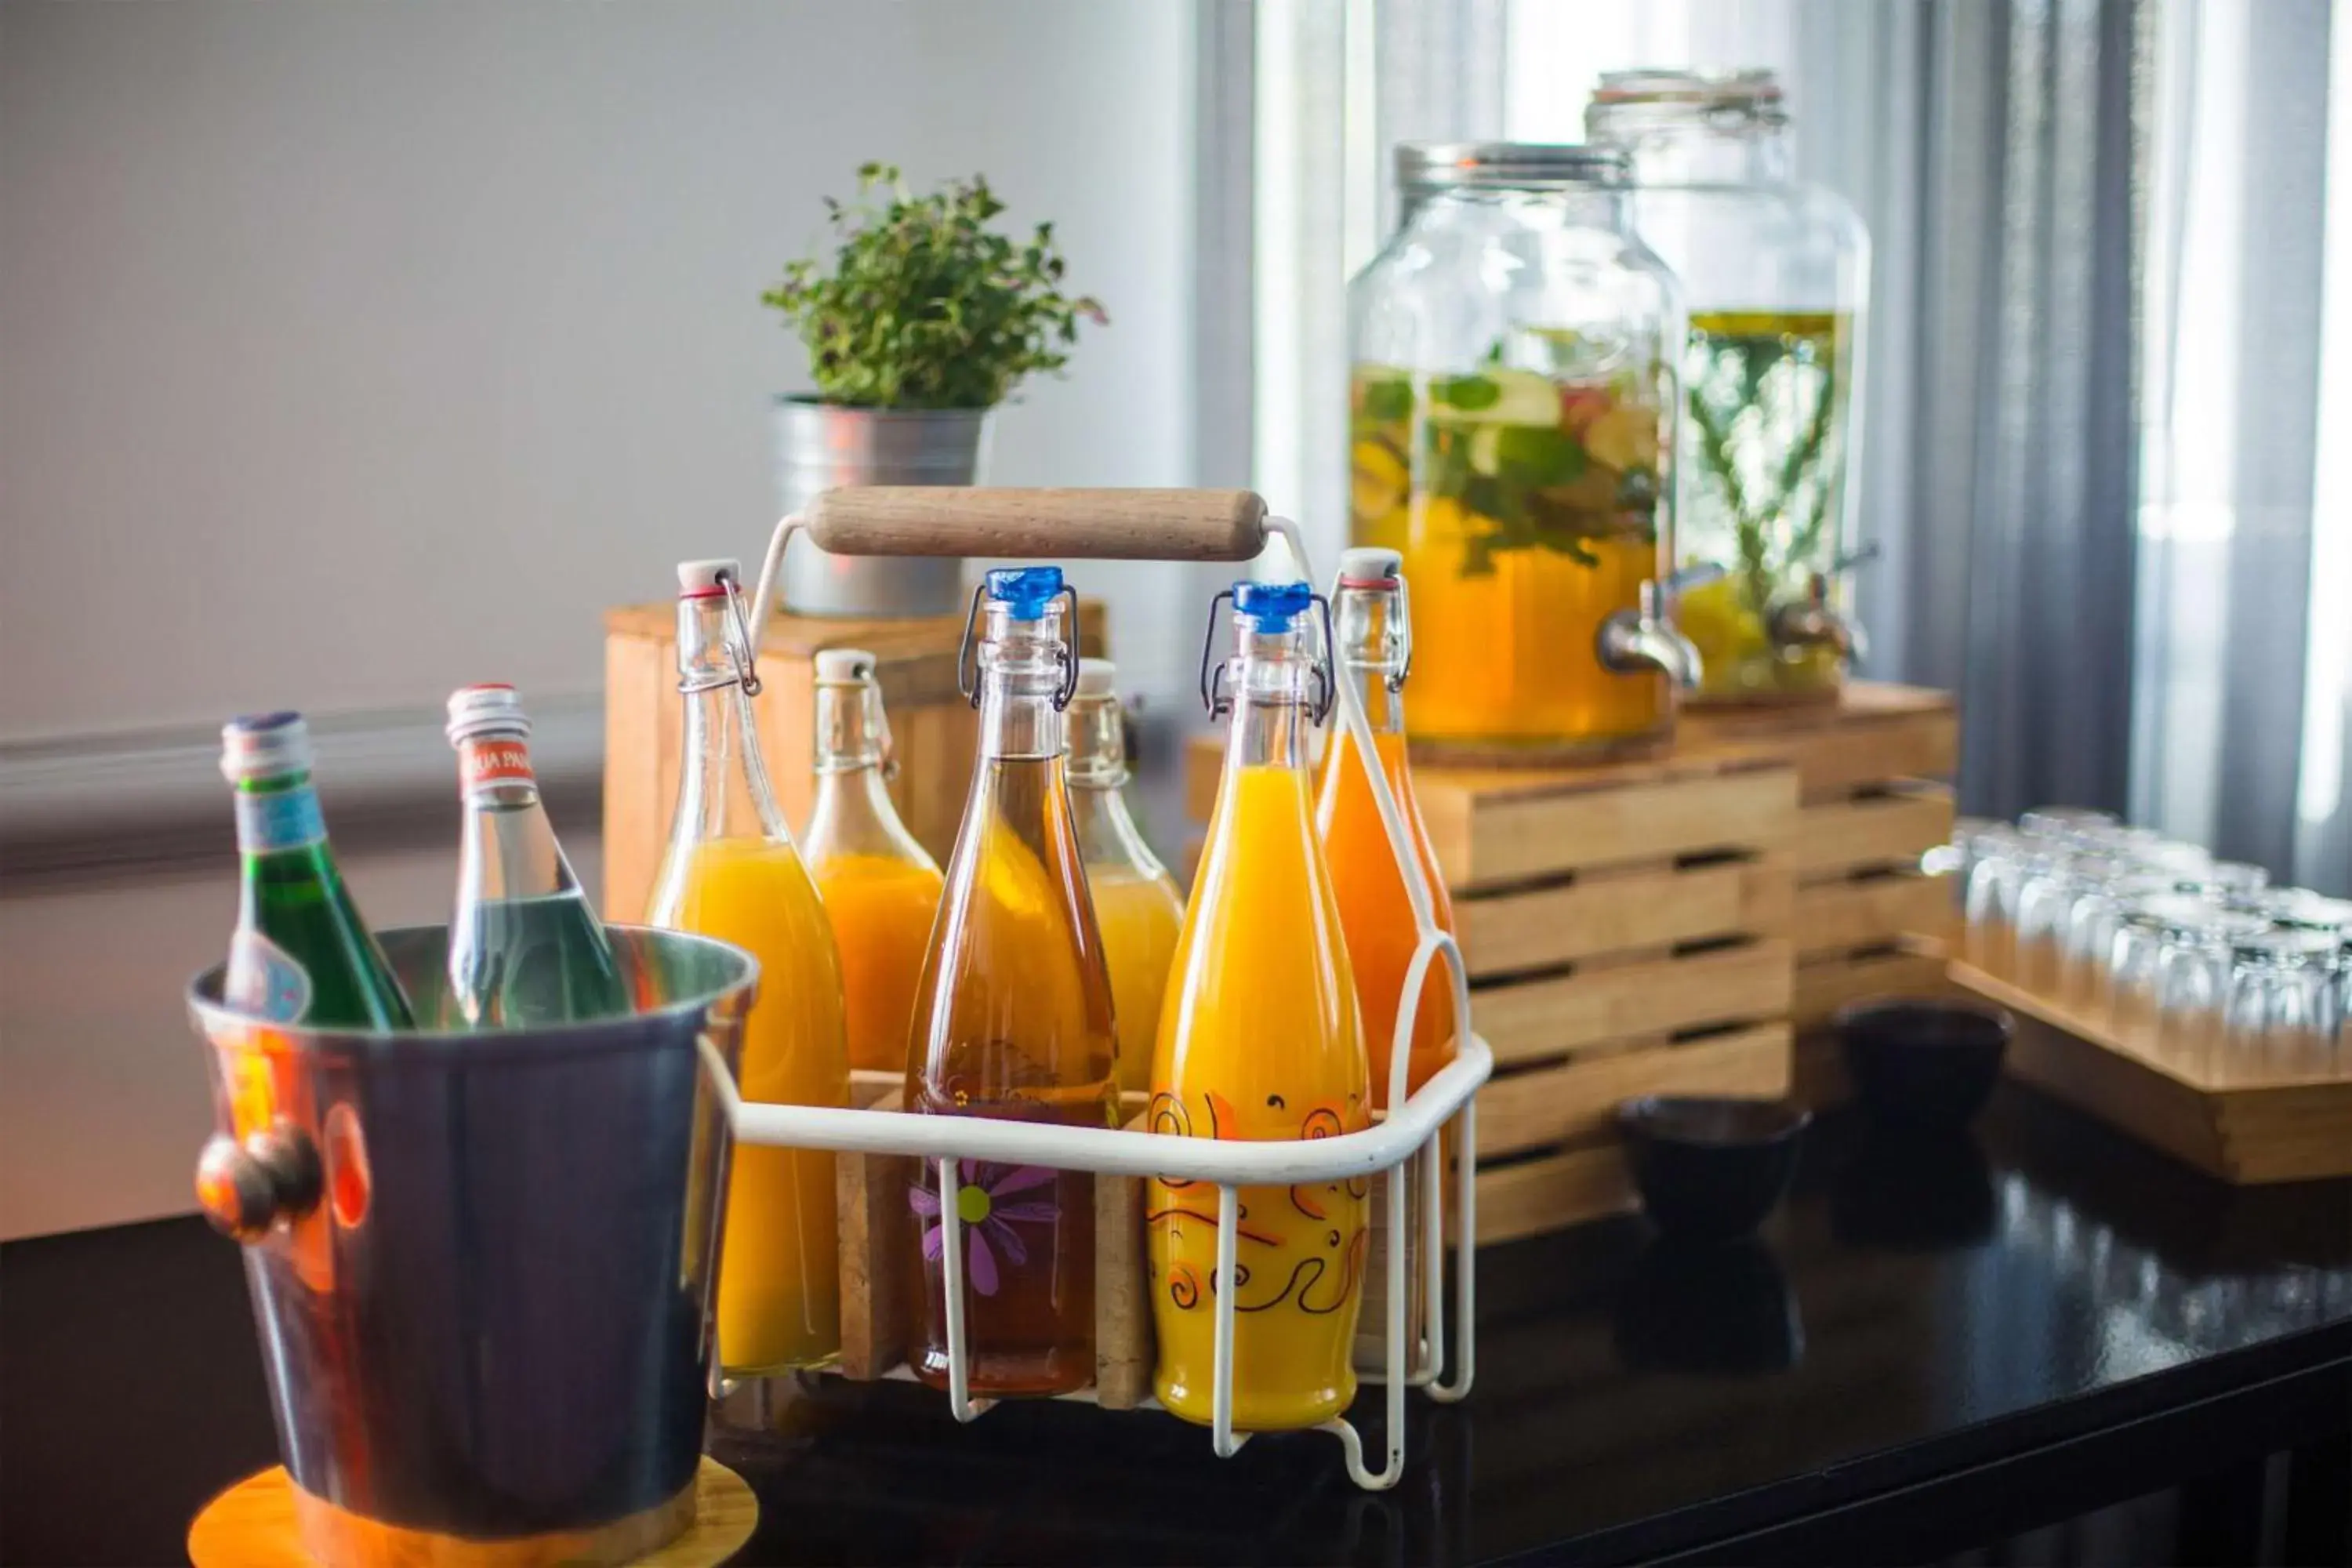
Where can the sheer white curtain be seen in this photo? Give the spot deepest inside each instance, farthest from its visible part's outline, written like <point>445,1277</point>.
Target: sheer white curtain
<point>2244,666</point>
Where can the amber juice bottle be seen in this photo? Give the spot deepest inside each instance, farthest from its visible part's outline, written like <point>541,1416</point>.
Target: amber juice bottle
<point>1013,1020</point>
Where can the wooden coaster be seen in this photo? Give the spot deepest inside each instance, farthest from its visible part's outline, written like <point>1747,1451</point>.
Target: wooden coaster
<point>252,1525</point>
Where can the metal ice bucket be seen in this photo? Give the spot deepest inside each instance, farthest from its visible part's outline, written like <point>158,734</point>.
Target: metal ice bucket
<point>481,1263</point>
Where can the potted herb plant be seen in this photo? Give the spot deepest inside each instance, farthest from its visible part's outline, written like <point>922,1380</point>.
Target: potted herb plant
<point>925,318</point>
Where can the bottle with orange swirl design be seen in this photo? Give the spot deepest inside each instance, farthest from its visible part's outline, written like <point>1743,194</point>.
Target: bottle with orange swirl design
<point>1260,1038</point>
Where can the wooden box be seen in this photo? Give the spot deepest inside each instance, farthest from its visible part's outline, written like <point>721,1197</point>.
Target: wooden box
<point>877,1273</point>
<point>1872,800</point>
<point>1626,929</point>
<point>2248,1134</point>
<point>931,724</point>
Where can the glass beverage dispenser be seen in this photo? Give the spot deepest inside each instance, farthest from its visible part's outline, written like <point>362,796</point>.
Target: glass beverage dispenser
<point>1774,273</point>
<point>1510,430</point>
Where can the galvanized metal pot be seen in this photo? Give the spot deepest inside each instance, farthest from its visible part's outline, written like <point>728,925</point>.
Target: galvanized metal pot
<point>482,1263</point>
<point>822,447</point>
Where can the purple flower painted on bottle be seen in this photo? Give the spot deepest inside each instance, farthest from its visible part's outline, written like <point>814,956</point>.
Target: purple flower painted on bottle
<point>988,1220</point>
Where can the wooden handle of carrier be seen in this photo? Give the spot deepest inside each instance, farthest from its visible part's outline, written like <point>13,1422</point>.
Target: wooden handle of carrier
<point>979,520</point>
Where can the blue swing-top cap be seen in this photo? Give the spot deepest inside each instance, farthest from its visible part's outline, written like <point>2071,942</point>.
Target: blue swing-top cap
<point>1026,589</point>
<point>1271,607</point>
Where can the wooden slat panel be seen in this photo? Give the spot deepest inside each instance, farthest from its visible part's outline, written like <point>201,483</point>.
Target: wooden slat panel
<point>1204,761</point>
<point>1838,917</point>
<point>1124,1345</point>
<point>1875,733</point>
<point>1876,830</point>
<point>1556,1191</point>
<point>1539,1018</point>
<point>877,1240</point>
<point>1555,1105</point>
<point>1823,986</point>
<point>640,688</point>
<point>1654,906</point>
<point>1488,839</point>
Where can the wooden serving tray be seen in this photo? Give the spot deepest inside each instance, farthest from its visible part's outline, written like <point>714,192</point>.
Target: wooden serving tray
<point>2246,1135</point>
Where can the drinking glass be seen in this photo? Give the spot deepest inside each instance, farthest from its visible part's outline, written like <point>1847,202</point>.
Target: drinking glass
<point>2062,823</point>
<point>2088,943</point>
<point>2003,860</point>
<point>2194,968</point>
<point>2278,1015</point>
<point>2045,902</point>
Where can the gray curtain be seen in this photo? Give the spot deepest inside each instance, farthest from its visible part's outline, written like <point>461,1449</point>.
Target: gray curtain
<point>2003,477</point>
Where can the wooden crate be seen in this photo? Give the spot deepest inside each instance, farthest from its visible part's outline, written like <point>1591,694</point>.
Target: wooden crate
<point>1626,927</point>
<point>877,1273</point>
<point>2249,1134</point>
<point>1866,921</point>
<point>932,725</point>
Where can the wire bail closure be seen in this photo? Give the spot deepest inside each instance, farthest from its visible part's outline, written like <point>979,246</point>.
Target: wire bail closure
<point>1213,696</point>
<point>967,650</point>
<point>736,641</point>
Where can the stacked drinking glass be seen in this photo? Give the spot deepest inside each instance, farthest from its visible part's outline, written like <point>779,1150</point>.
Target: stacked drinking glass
<point>2196,962</point>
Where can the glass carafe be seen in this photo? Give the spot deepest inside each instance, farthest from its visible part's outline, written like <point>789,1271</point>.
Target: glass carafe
<point>1260,1039</point>
<point>1774,274</point>
<point>1511,415</point>
<point>730,871</point>
<point>1137,905</point>
<point>1013,1020</point>
<point>881,889</point>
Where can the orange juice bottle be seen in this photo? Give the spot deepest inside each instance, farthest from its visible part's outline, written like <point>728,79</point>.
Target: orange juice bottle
<point>1374,915</point>
<point>1136,902</point>
<point>881,889</point>
<point>731,872</point>
<point>1260,1038</point>
<point>1375,644</point>
<point>1013,1020</point>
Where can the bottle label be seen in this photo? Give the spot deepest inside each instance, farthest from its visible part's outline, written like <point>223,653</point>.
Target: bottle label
<point>281,819</point>
<point>498,761</point>
<point>264,981</point>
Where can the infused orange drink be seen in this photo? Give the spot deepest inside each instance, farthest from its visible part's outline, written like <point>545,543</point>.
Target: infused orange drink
<point>881,889</point>
<point>1137,906</point>
<point>731,872</point>
<point>1260,1038</point>
<point>1374,912</point>
<point>779,1289</point>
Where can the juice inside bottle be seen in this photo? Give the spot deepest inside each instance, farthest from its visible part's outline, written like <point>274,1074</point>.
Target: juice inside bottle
<point>1013,1021</point>
<point>1136,902</point>
<point>731,872</point>
<point>1374,913</point>
<point>1260,1038</point>
<point>881,889</point>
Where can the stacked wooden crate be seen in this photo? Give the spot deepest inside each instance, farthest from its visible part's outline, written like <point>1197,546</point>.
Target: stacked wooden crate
<point>1870,772</point>
<point>1625,928</point>
<point>933,727</point>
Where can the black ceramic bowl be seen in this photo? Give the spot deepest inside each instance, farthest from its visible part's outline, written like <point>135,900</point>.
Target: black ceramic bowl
<point>1923,1062</point>
<point>1710,1169</point>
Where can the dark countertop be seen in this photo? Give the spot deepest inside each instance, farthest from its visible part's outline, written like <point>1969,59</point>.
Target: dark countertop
<point>1932,1348</point>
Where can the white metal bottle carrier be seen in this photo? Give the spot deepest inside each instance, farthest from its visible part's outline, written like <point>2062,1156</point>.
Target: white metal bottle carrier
<point>1169,525</point>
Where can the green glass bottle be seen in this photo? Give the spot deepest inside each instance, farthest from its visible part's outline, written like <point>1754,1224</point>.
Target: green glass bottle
<point>524,947</point>
<point>301,954</point>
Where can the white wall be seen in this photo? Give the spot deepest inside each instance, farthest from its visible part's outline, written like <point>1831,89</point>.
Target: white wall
<point>348,354</point>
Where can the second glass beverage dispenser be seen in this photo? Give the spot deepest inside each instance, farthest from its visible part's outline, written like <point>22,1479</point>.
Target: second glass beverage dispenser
<point>1510,432</point>
<point>1774,274</point>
